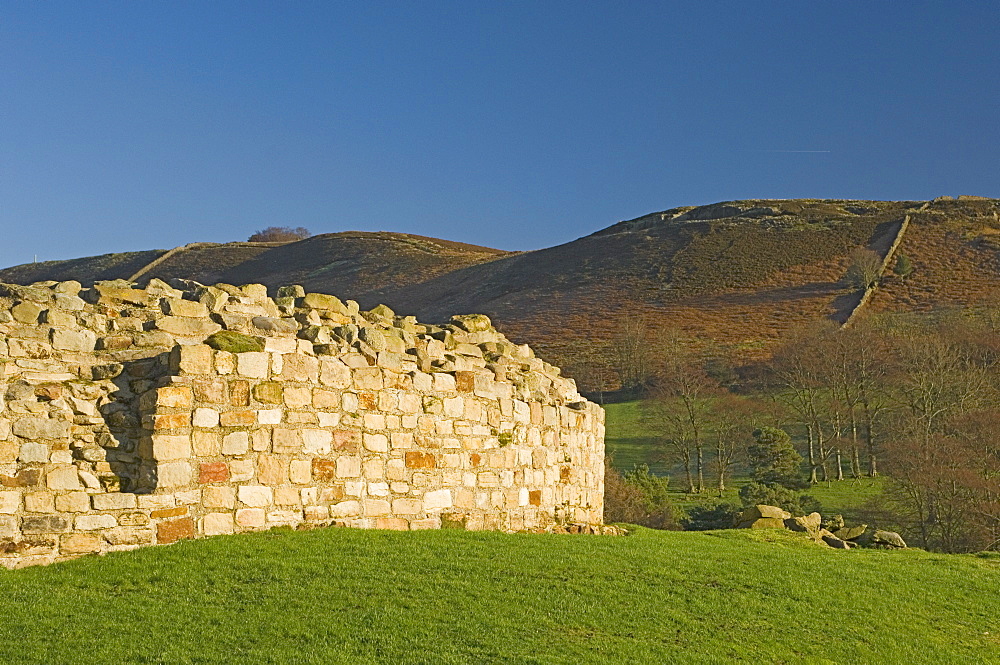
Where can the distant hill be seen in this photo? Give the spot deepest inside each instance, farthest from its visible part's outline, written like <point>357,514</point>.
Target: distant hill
<point>736,274</point>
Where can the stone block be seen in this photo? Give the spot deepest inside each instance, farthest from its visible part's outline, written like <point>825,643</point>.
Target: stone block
<point>256,496</point>
<point>368,378</point>
<point>392,524</point>
<point>269,392</point>
<point>241,470</point>
<point>378,443</point>
<point>375,507</point>
<point>206,444</point>
<point>191,359</point>
<point>298,367</point>
<point>63,478</point>
<point>219,497</point>
<point>173,474</point>
<point>251,518</point>
<point>300,471</point>
<point>348,467</point>
<point>415,459</point>
<point>26,312</point>
<point>80,543</point>
<point>167,447</point>
<point>253,364</point>
<point>437,500</point>
<point>10,502</point>
<point>113,501</point>
<point>44,524</point>
<point>407,506</point>
<point>236,443</point>
<point>217,524</point>
<point>238,418</point>
<point>345,509</point>
<point>174,530</point>
<point>286,441</point>
<point>174,397</point>
<point>33,453</point>
<point>272,470</point>
<point>213,472</point>
<point>124,536</point>
<point>182,326</point>
<point>188,308</point>
<point>205,417</point>
<point>95,522</point>
<point>33,428</point>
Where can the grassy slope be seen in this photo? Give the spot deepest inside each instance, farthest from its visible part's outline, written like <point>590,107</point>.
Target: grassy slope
<point>346,596</point>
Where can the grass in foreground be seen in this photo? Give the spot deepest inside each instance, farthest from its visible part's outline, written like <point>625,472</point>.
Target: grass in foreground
<point>347,596</point>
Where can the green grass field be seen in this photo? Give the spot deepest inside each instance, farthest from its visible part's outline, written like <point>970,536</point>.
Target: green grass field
<point>351,596</point>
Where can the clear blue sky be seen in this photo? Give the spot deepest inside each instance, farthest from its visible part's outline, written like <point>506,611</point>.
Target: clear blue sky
<point>519,125</point>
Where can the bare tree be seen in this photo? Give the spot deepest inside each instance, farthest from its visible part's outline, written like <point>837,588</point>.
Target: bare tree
<point>864,270</point>
<point>632,353</point>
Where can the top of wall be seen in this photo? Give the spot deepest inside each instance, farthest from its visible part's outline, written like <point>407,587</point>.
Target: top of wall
<point>59,331</point>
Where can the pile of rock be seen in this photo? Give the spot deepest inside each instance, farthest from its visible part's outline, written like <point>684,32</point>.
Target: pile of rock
<point>832,532</point>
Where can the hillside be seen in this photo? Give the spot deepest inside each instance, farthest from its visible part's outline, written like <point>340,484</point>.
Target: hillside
<point>738,274</point>
<point>356,596</point>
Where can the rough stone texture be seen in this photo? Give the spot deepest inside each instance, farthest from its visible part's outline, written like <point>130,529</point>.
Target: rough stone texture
<point>120,427</point>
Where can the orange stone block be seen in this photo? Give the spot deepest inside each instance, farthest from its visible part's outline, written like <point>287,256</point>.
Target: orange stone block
<point>465,382</point>
<point>169,512</point>
<point>239,393</point>
<point>324,469</point>
<point>171,421</point>
<point>418,460</point>
<point>346,441</point>
<point>171,532</point>
<point>535,497</point>
<point>213,472</point>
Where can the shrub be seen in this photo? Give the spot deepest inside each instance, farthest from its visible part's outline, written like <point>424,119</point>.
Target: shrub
<point>280,234</point>
<point>794,502</point>
<point>721,515</point>
<point>637,497</point>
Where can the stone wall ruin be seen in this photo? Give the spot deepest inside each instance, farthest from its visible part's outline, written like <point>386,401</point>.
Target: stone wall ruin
<point>131,417</point>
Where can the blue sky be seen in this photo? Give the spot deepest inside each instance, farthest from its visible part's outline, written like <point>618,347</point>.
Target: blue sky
<point>519,125</point>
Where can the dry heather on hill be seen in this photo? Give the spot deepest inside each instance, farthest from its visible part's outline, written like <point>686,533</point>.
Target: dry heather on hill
<point>736,275</point>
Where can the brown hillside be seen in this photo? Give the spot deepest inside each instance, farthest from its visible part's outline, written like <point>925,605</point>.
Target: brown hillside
<point>734,276</point>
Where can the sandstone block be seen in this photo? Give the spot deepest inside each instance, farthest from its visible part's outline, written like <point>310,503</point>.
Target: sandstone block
<point>219,497</point>
<point>44,524</point>
<point>187,308</point>
<point>63,478</point>
<point>407,506</point>
<point>80,543</point>
<point>251,518</point>
<point>256,496</point>
<point>204,417</point>
<point>300,471</point>
<point>95,522</point>
<point>174,530</point>
<point>437,500</point>
<point>191,359</point>
<point>236,443</point>
<point>41,428</point>
<point>37,453</point>
<point>40,502</point>
<point>213,472</point>
<point>375,507</point>
<point>378,443</point>
<point>348,467</point>
<point>167,447</point>
<point>253,364</point>
<point>271,470</point>
<point>26,312</point>
<point>128,535</point>
<point>217,524</point>
<point>345,509</point>
<point>113,501</point>
<point>173,474</point>
<point>182,326</point>
<point>10,502</point>
<point>286,441</point>
<point>237,418</point>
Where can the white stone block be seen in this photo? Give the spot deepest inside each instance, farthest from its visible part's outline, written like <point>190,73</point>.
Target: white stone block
<point>256,496</point>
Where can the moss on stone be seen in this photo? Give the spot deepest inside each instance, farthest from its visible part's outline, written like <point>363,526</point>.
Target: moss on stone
<point>234,342</point>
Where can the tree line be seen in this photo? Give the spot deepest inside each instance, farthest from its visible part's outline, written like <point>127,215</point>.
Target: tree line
<point>915,398</point>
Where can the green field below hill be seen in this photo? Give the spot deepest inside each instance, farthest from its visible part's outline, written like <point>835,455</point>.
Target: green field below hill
<point>353,596</point>
<point>630,442</point>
